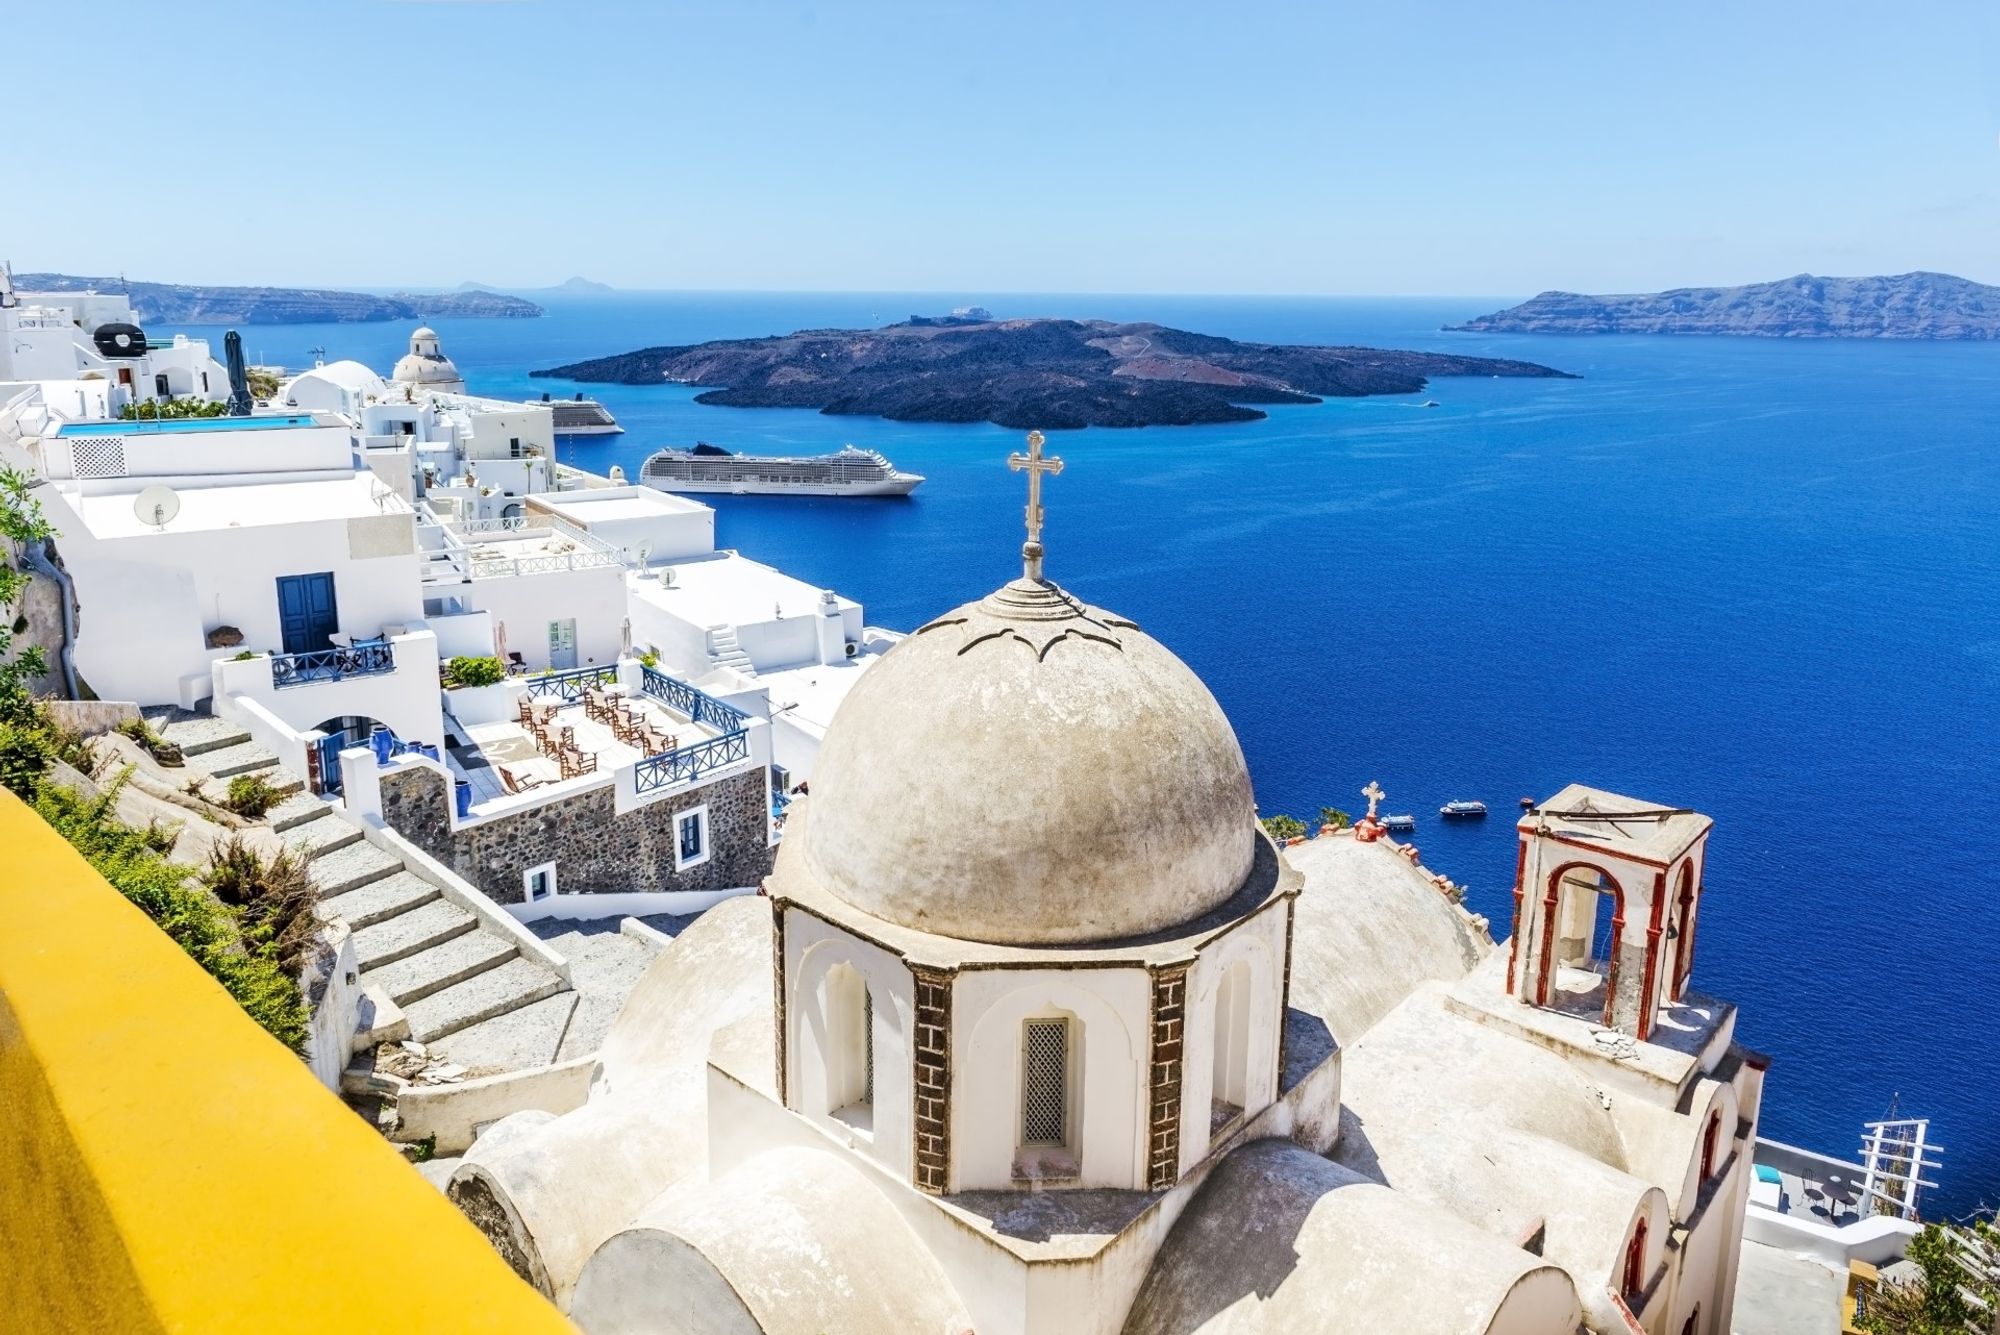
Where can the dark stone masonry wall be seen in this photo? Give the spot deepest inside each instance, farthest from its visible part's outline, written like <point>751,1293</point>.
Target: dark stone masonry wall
<point>595,850</point>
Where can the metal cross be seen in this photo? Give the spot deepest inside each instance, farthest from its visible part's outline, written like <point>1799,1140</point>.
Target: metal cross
<point>1373,792</point>
<point>1034,465</point>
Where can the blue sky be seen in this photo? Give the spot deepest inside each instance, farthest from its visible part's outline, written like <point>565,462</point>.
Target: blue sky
<point>1465,148</point>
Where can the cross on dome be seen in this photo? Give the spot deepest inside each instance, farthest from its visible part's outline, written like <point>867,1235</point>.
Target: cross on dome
<point>1034,465</point>
<point>1373,792</point>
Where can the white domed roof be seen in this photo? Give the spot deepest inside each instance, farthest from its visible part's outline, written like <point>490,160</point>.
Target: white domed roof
<point>425,362</point>
<point>1029,770</point>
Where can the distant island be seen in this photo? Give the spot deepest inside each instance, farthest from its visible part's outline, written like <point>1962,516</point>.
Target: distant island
<point>183,303</point>
<point>1028,373</point>
<point>1911,305</point>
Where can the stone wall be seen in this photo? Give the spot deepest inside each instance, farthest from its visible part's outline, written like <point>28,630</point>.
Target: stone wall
<point>1163,1132</point>
<point>931,1090</point>
<point>595,849</point>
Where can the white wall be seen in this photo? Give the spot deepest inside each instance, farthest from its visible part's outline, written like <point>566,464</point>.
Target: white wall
<point>325,451</point>
<point>464,635</point>
<point>594,598</point>
<point>670,532</point>
<point>1111,1009</point>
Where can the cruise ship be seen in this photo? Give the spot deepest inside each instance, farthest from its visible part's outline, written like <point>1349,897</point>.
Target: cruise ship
<point>582,417</point>
<point>848,472</point>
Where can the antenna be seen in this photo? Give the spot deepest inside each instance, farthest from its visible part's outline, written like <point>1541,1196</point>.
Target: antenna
<point>318,355</point>
<point>156,506</point>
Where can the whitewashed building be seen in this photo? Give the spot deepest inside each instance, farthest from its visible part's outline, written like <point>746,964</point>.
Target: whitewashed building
<point>88,355</point>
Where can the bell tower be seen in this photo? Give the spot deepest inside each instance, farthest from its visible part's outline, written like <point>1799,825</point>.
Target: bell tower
<point>1607,897</point>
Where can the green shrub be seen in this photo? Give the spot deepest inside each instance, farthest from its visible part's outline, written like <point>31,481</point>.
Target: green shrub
<point>250,795</point>
<point>649,659</point>
<point>246,964</point>
<point>26,751</point>
<point>245,655</point>
<point>276,898</point>
<point>1283,827</point>
<point>1335,817</point>
<point>150,410</point>
<point>463,671</point>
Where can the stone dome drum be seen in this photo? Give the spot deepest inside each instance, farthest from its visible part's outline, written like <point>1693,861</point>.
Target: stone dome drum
<point>1028,770</point>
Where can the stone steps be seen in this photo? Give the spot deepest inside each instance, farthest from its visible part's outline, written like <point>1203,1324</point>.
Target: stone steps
<point>427,972</point>
<point>299,809</point>
<point>517,983</point>
<point>407,933</point>
<point>228,761</point>
<point>329,834</point>
<point>350,867</point>
<point>379,901</point>
<point>194,734</point>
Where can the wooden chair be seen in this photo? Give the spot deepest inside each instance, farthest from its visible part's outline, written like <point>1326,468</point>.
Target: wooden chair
<point>515,784</point>
<point>576,764</point>
<point>525,712</point>
<point>517,666</point>
<point>566,738</point>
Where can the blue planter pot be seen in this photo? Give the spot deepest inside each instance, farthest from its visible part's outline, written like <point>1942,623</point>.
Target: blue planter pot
<point>463,792</point>
<point>382,740</point>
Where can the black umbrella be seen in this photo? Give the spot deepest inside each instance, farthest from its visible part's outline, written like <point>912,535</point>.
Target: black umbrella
<point>239,379</point>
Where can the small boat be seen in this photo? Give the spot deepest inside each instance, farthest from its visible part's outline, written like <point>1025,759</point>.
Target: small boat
<point>1430,403</point>
<point>1399,823</point>
<point>1462,810</point>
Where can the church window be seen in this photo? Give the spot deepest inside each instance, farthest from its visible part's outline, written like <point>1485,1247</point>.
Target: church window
<point>849,1008</point>
<point>1229,1091</point>
<point>1045,1082</point>
<point>691,838</point>
<point>1709,1137</point>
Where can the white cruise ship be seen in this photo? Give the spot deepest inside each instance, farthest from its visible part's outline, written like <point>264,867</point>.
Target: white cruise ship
<point>848,472</point>
<point>582,417</point>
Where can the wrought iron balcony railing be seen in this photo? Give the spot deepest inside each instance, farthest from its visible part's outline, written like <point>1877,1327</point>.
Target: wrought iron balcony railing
<point>367,659</point>
<point>690,762</point>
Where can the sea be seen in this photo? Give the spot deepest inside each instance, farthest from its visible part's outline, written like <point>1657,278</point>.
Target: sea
<point>1756,577</point>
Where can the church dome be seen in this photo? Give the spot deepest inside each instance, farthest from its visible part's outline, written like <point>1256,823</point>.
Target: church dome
<point>1030,770</point>
<point>425,362</point>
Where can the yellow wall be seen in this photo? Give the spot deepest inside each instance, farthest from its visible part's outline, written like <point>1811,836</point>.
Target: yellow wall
<point>165,1165</point>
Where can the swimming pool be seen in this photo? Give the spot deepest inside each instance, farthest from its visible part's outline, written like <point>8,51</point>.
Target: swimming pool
<point>171,425</point>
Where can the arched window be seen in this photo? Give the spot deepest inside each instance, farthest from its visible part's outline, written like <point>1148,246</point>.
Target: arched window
<point>1709,1137</point>
<point>1230,1089</point>
<point>1635,1261</point>
<point>1683,930</point>
<point>850,1047</point>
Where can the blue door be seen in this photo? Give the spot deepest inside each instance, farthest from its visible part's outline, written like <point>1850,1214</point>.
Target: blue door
<point>306,612</point>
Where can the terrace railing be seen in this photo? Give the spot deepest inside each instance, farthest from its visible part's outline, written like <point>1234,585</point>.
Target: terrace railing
<point>697,706</point>
<point>568,684</point>
<point>361,660</point>
<point>690,762</point>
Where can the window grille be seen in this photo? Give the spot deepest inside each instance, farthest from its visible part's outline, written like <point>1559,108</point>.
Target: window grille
<point>1044,1084</point>
<point>98,456</point>
<point>867,1046</point>
<point>690,837</point>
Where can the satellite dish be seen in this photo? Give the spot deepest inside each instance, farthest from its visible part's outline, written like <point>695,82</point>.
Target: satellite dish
<point>156,506</point>
<point>667,575</point>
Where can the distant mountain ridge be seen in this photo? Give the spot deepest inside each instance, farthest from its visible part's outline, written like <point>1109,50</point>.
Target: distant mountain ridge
<point>1026,373</point>
<point>1911,305</point>
<point>185,303</point>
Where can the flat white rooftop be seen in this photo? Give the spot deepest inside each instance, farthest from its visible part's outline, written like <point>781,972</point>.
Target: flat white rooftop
<point>252,505</point>
<point>602,504</point>
<point>808,695</point>
<point>727,588</point>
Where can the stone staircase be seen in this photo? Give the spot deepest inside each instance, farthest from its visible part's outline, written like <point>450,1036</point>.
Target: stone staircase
<point>724,650</point>
<point>426,954</point>
<point>217,750</point>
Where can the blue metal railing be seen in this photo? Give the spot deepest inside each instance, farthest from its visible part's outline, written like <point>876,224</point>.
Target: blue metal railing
<point>697,706</point>
<point>690,762</point>
<point>568,683</point>
<point>366,659</point>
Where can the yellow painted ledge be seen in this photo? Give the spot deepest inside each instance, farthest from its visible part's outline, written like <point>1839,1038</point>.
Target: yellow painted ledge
<point>165,1165</point>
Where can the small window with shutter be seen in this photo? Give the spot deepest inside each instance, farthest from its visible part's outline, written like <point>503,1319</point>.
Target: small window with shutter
<point>1045,1083</point>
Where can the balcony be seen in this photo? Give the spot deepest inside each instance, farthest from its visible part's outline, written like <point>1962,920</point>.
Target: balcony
<point>364,658</point>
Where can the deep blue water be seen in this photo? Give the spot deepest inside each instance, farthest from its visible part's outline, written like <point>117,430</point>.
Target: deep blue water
<point>1753,577</point>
